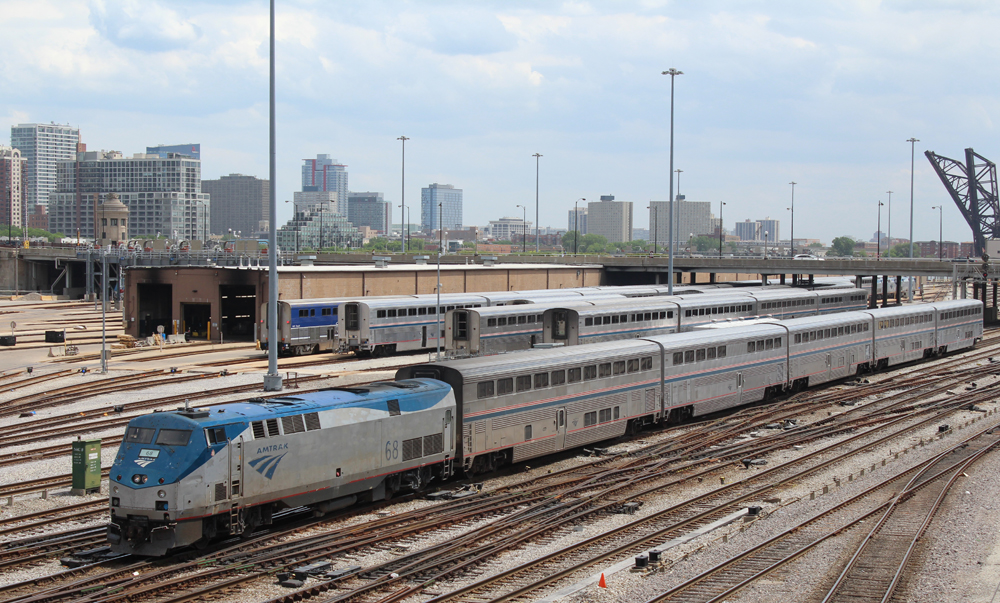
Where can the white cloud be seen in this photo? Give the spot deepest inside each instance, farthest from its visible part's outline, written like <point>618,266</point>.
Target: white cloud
<point>142,25</point>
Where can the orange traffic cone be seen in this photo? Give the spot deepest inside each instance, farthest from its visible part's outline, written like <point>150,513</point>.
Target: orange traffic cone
<point>602,583</point>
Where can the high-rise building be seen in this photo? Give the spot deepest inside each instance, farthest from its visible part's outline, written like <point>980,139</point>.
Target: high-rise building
<point>690,217</point>
<point>13,174</point>
<point>163,194</point>
<point>450,199</point>
<point>324,174</point>
<point>748,230</point>
<point>772,228</point>
<point>238,202</point>
<point>610,219</point>
<point>192,150</point>
<point>317,227</point>
<point>368,209</point>
<point>577,220</point>
<point>43,146</point>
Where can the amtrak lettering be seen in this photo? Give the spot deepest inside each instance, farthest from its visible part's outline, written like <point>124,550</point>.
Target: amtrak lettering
<point>272,448</point>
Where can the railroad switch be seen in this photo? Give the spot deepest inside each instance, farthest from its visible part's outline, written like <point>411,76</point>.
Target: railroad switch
<point>628,508</point>
<point>313,569</point>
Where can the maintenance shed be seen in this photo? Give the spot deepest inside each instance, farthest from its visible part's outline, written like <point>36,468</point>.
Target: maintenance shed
<point>214,302</point>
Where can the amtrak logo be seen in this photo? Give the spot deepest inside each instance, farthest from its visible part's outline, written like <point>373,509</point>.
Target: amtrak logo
<point>266,465</point>
<point>143,462</point>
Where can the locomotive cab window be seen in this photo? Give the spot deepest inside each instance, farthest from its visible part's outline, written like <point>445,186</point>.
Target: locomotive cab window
<point>215,435</point>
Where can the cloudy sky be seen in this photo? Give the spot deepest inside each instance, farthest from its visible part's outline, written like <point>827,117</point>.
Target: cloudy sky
<point>822,93</point>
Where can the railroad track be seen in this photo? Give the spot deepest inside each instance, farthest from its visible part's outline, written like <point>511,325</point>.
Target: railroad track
<point>582,498</point>
<point>875,568</point>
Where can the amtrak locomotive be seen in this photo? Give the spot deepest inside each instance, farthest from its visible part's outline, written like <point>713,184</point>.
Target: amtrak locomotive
<point>183,477</point>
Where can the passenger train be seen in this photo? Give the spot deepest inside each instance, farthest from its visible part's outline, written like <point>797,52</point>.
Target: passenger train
<point>183,477</point>
<point>306,326</point>
<point>485,331</point>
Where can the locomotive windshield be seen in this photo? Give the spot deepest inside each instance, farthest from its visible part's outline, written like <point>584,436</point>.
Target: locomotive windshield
<point>139,435</point>
<point>173,437</point>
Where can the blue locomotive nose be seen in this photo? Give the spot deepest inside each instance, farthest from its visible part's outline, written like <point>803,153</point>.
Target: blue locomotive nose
<point>157,451</point>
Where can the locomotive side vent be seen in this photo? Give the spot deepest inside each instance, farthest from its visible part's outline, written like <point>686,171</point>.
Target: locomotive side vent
<point>272,428</point>
<point>433,444</point>
<point>393,408</point>
<point>412,449</point>
<point>220,491</point>
<point>312,421</point>
<point>258,430</point>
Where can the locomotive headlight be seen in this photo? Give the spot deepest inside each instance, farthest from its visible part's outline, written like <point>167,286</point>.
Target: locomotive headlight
<point>115,489</point>
<point>161,493</point>
<point>139,478</point>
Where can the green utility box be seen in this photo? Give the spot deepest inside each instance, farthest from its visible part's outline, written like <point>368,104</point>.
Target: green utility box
<point>86,467</point>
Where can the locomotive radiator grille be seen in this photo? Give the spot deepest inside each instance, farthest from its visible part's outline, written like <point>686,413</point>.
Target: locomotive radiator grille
<point>258,430</point>
<point>312,421</point>
<point>220,491</point>
<point>293,424</point>
<point>412,449</point>
<point>433,444</point>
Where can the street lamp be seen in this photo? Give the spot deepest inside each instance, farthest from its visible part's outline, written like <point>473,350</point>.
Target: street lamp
<point>888,228</point>
<point>940,209</point>
<point>765,244</point>
<point>912,142</point>
<point>878,234</point>
<point>440,249</point>
<point>673,73</point>
<point>536,156</point>
<point>690,242</point>
<point>524,227</point>
<point>791,246</point>
<point>576,223</point>
<point>653,207</point>
<point>721,230</point>
<point>402,192</point>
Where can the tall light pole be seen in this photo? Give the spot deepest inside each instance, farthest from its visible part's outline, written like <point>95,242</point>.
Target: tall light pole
<point>913,142</point>
<point>576,224</point>
<point>402,191</point>
<point>765,244</point>
<point>438,288</point>
<point>402,217</point>
<point>536,156</point>
<point>878,234</point>
<point>791,246</point>
<point>524,229</point>
<point>721,229</point>
<point>673,73</point>
<point>888,228</point>
<point>272,380</point>
<point>940,209</point>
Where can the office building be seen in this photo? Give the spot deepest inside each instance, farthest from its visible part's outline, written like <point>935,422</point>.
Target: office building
<point>324,174</point>
<point>368,209</point>
<point>163,194</point>
<point>13,187</point>
<point>610,219</point>
<point>192,150</point>
<point>238,202</point>
<point>450,199</point>
<point>577,220</point>
<point>43,146</point>
<point>505,229</point>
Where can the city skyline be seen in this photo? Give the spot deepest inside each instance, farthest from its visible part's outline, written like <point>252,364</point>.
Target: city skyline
<point>825,95</point>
